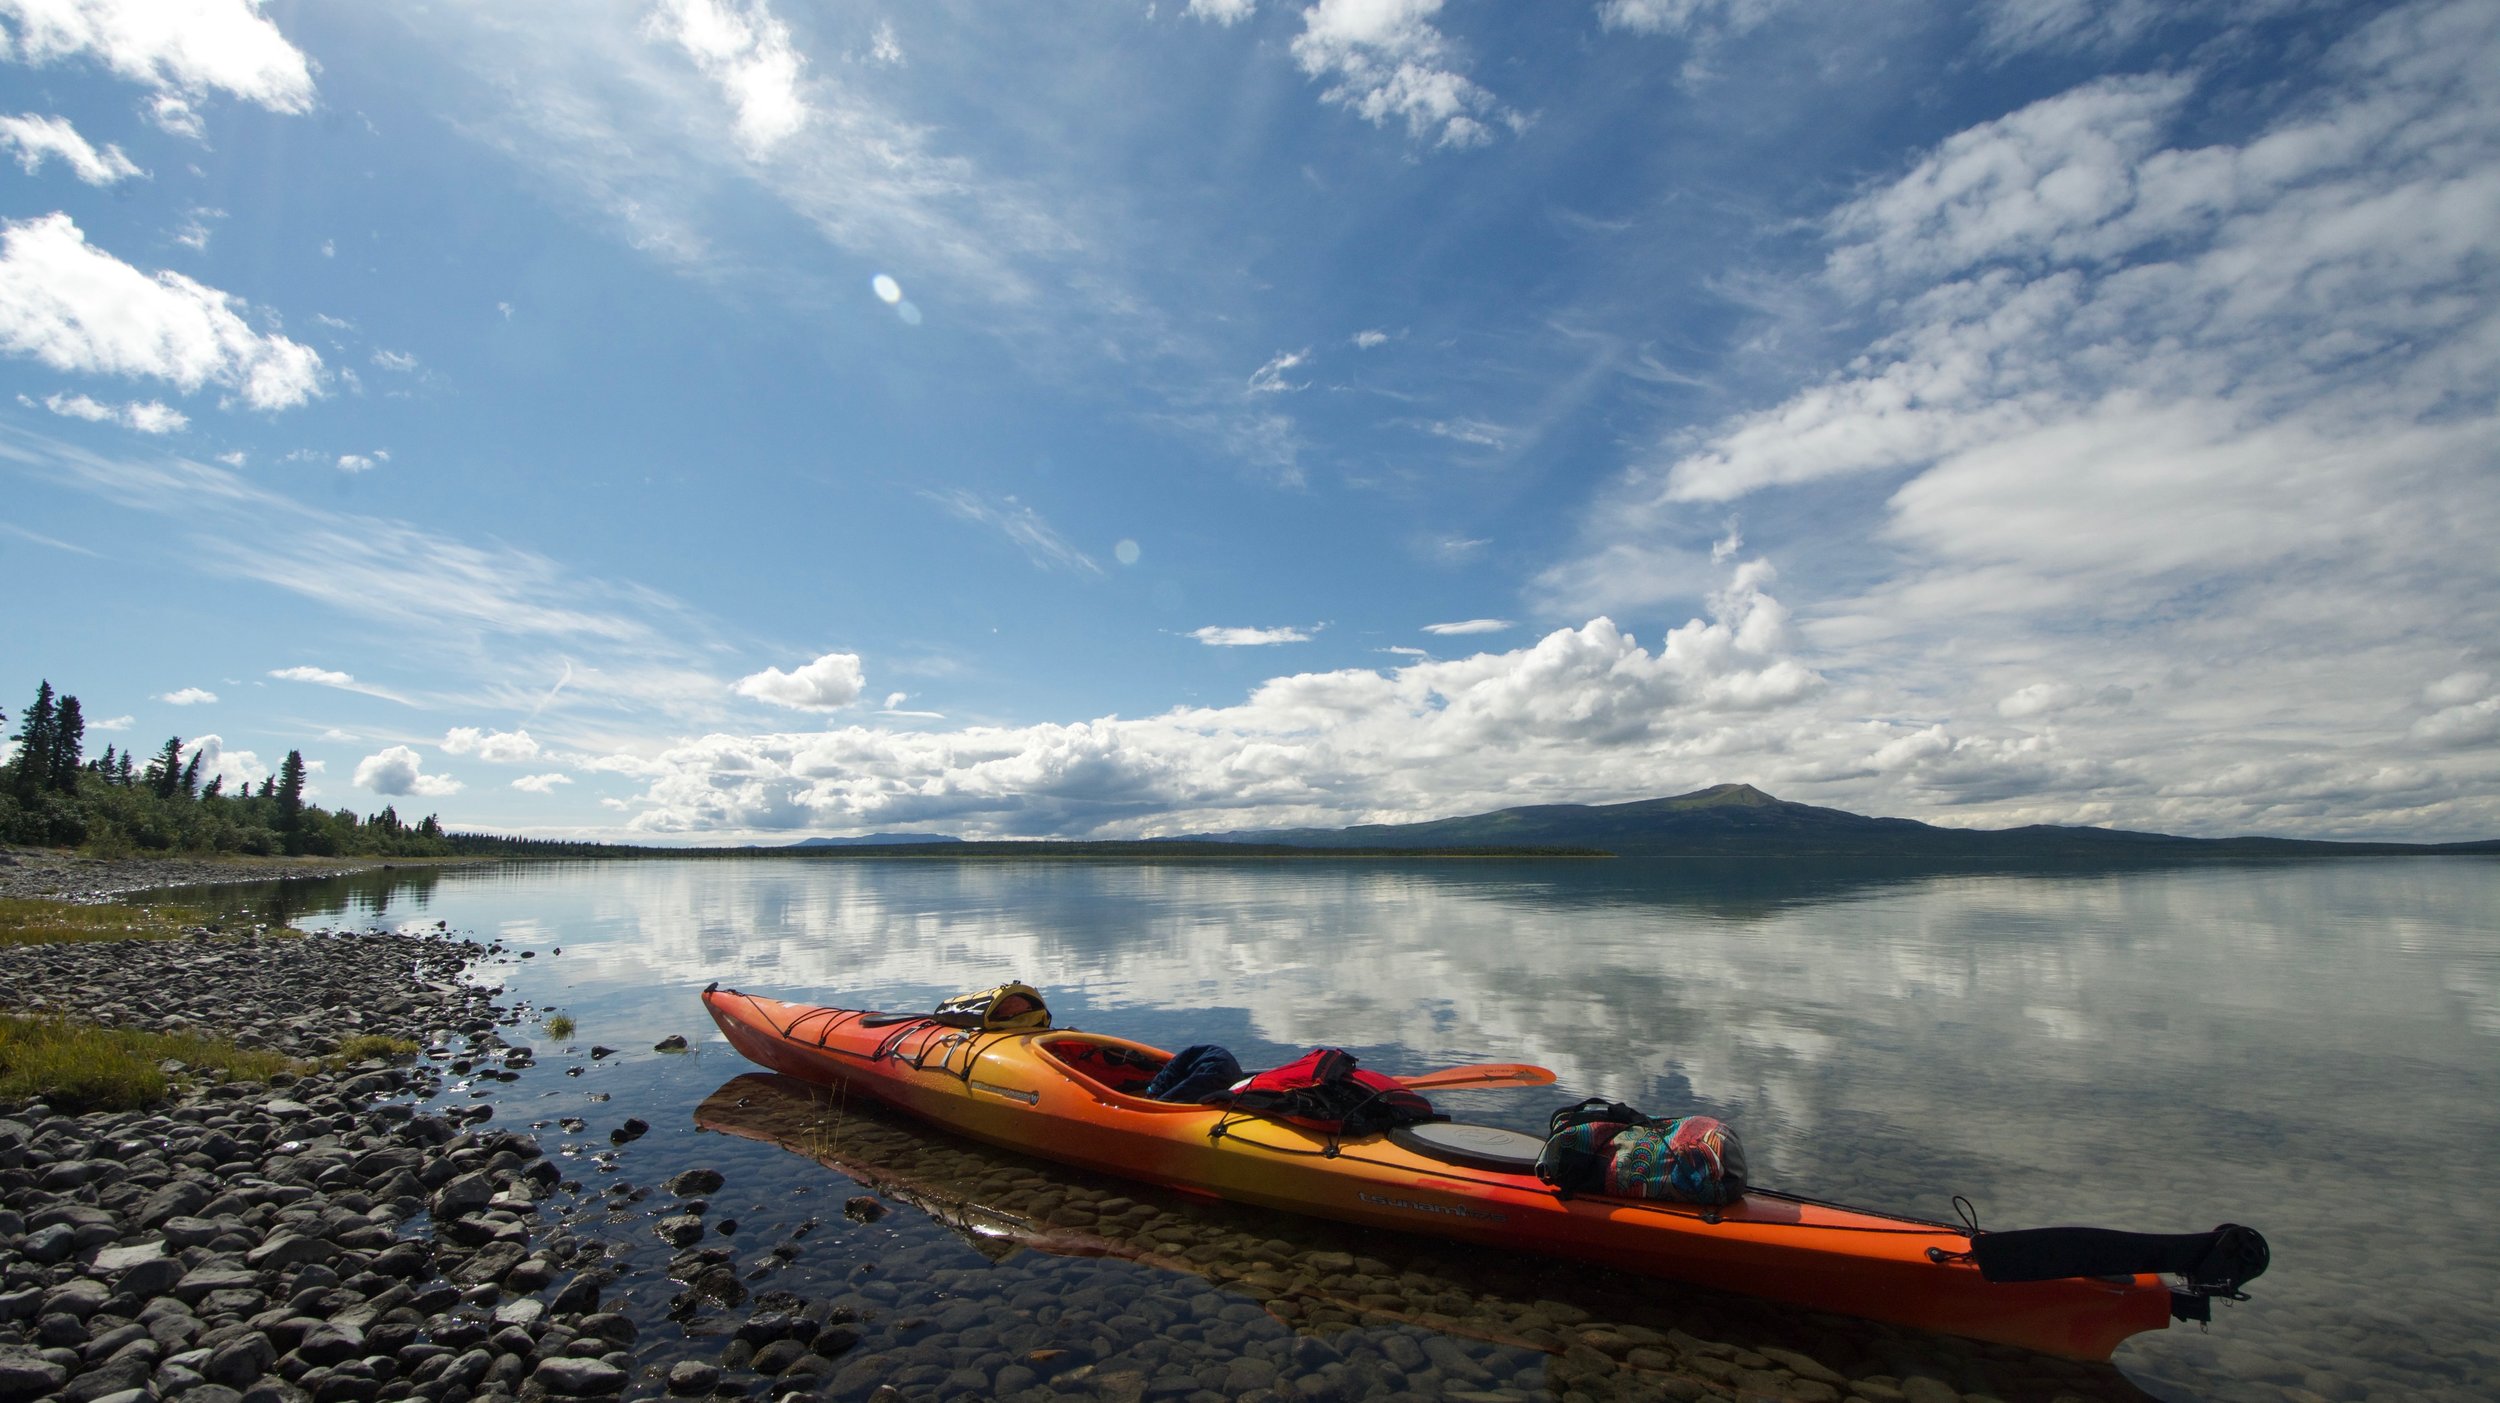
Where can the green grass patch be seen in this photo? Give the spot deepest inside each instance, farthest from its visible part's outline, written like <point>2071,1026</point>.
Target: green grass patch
<point>560,1025</point>
<point>83,1066</point>
<point>365,1045</point>
<point>32,921</point>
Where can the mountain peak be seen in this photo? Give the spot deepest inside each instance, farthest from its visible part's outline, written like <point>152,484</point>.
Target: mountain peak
<point>1729,794</point>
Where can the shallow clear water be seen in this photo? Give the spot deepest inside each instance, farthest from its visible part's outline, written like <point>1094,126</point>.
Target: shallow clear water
<point>2312,1049</point>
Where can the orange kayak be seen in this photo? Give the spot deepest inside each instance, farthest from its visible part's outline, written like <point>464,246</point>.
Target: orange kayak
<point>1066,1095</point>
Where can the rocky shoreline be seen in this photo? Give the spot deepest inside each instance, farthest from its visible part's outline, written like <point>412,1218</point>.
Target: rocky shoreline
<point>328,1238</point>
<point>68,876</point>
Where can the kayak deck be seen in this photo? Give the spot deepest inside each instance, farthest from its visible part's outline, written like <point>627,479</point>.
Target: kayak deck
<point>1070,1096</point>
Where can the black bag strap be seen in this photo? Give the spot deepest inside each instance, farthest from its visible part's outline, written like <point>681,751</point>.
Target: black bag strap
<point>1596,1108</point>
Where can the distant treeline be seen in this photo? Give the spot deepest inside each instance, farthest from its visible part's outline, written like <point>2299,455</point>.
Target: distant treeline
<point>52,795</point>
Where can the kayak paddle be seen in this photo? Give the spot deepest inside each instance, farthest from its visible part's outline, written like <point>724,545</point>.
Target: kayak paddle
<point>1482,1074</point>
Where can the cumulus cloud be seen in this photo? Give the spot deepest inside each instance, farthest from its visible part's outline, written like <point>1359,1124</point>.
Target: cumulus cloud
<point>494,747</point>
<point>1038,539</point>
<point>1425,739</point>
<point>1467,626</point>
<point>237,767</point>
<point>147,416</point>
<point>188,696</point>
<point>2180,442</point>
<point>541,784</point>
<point>113,723</point>
<point>397,771</point>
<point>827,684</point>
<point>749,54</point>
<point>37,139</point>
<point>182,51</point>
<point>1385,61</point>
<point>1367,339</point>
<point>1215,636</point>
<point>77,308</point>
<point>1223,12</point>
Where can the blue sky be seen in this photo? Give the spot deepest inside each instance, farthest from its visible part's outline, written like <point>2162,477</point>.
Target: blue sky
<point>708,419</point>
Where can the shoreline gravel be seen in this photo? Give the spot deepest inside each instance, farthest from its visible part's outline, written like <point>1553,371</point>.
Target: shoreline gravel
<point>50,874</point>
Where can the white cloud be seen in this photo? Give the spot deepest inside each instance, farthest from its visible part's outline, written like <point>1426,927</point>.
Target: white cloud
<point>1426,739</point>
<point>1467,626</point>
<point>1215,636</point>
<point>1038,539</point>
<point>37,138</point>
<point>541,784</point>
<point>113,723</point>
<point>78,308</point>
<point>749,54</point>
<point>2177,451</point>
<point>883,47</point>
<point>147,416</point>
<point>1386,60</point>
<point>237,767</point>
<point>182,50</point>
<point>1365,340</point>
<point>1270,378</point>
<point>188,696</point>
<point>2040,699</point>
<point>831,682</point>
<point>352,463</point>
<point>397,770</point>
<point>321,675</point>
<point>1223,12</point>
<point>345,682</point>
<point>395,360</point>
<point>194,233</point>
<point>494,747</point>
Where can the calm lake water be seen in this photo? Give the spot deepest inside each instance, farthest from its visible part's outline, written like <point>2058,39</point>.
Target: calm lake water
<point>2310,1049</point>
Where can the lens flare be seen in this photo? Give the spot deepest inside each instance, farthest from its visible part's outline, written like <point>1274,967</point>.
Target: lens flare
<point>888,291</point>
<point>1125,552</point>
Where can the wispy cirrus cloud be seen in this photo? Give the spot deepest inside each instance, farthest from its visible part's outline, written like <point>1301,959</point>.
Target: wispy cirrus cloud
<point>339,681</point>
<point>496,619</point>
<point>1468,626</point>
<point>1038,539</point>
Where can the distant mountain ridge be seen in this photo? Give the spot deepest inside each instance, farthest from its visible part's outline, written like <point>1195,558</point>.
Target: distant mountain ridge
<point>876,840</point>
<point>1738,820</point>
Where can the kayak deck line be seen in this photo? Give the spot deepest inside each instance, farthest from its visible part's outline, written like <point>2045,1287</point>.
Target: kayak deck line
<point>1068,1095</point>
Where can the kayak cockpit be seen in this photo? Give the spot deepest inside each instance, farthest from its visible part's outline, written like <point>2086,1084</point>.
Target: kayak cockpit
<point>1114,1069</point>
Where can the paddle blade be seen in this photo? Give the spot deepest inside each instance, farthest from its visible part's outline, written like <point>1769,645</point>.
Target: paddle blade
<point>1483,1074</point>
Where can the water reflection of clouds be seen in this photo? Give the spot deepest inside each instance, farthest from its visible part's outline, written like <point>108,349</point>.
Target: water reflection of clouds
<point>2148,1048</point>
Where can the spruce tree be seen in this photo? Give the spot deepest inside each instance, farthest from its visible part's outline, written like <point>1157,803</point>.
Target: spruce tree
<point>31,773</point>
<point>106,764</point>
<point>69,741</point>
<point>123,776</point>
<point>216,786</point>
<point>165,771</point>
<point>291,792</point>
<point>191,775</point>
